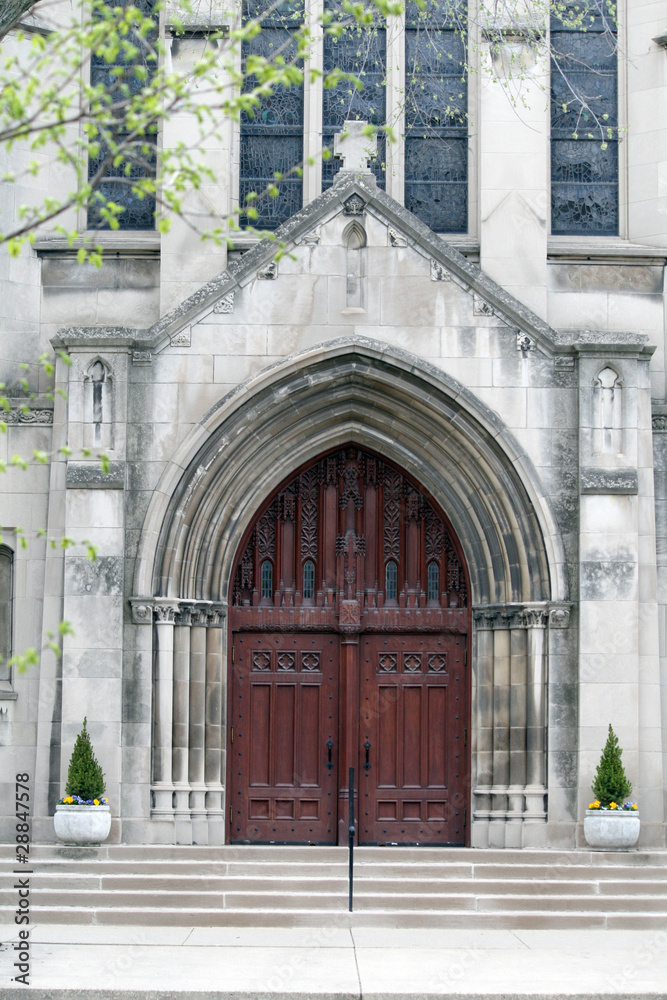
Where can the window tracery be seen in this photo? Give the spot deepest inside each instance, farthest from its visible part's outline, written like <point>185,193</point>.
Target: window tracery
<point>584,122</point>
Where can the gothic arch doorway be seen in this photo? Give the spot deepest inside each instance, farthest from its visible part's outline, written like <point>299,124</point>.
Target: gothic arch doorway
<point>349,628</point>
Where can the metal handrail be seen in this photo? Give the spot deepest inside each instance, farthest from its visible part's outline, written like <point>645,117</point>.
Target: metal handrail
<point>351,832</point>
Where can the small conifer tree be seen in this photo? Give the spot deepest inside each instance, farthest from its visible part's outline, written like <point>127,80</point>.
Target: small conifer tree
<point>611,783</point>
<point>85,777</point>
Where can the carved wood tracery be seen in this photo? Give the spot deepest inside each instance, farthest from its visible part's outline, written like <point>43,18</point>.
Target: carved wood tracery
<point>349,514</point>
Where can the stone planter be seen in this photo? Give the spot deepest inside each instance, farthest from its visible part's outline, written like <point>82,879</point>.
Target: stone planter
<point>82,824</point>
<point>611,830</point>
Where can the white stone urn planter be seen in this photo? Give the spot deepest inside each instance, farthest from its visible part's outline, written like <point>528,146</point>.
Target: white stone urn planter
<point>77,824</point>
<point>611,829</point>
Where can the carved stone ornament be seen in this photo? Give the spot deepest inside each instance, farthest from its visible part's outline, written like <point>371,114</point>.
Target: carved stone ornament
<point>660,422</point>
<point>524,342</point>
<point>181,339</point>
<point>396,239</point>
<point>142,614</point>
<point>142,357</point>
<point>355,205</point>
<point>480,306</point>
<point>438,272</point>
<point>564,363</point>
<point>22,414</point>
<point>312,238</point>
<point>350,616</point>
<point>559,618</point>
<point>225,305</point>
<point>269,273</point>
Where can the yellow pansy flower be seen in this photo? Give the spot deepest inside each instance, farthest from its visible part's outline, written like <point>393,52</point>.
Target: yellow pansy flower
<point>96,802</point>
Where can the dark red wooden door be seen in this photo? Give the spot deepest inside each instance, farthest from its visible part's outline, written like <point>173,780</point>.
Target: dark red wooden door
<point>349,562</point>
<point>412,739</point>
<point>284,750</point>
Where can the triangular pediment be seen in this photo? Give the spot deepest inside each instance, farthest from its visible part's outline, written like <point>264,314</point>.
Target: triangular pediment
<point>353,197</point>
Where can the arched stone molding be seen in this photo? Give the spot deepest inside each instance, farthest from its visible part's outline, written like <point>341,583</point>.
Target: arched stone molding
<point>357,390</point>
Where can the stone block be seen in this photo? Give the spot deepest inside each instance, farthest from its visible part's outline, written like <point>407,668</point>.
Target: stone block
<point>103,576</point>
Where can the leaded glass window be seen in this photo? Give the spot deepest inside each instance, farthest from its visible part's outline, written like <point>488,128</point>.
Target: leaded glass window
<point>6,596</point>
<point>120,80</point>
<point>436,100</point>
<point>391,581</point>
<point>362,51</point>
<point>584,120</point>
<point>309,580</point>
<point>272,134</point>
<point>433,582</point>
<point>266,579</point>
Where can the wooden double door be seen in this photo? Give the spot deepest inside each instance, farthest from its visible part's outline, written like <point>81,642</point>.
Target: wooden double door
<point>298,727</point>
<point>349,620</point>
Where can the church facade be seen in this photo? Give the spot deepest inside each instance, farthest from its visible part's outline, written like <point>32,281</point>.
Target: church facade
<point>391,499</point>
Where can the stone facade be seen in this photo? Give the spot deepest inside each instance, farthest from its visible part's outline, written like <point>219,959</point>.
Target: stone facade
<point>525,395</point>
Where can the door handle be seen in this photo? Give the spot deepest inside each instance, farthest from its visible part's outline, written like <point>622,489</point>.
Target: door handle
<point>329,745</point>
<point>367,747</point>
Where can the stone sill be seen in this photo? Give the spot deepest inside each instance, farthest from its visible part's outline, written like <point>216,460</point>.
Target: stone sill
<point>602,249</point>
<point>126,242</point>
<point>6,694</point>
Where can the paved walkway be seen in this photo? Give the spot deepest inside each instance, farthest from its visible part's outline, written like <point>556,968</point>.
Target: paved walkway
<point>103,962</point>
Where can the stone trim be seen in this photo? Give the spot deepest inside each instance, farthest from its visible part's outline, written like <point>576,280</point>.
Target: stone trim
<point>602,481</point>
<point>534,615</point>
<point>27,412</point>
<point>91,476</point>
<point>175,611</point>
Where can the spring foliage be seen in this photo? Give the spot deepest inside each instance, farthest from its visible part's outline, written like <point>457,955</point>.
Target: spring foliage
<point>85,777</point>
<point>611,782</point>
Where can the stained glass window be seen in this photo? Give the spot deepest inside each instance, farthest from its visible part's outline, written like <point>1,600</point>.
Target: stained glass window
<point>272,134</point>
<point>391,581</point>
<point>433,583</point>
<point>361,51</point>
<point>309,580</point>
<point>119,78</point>
<point>267,580</point>
<point>6,566</point>
<point>584,118</point>
<point>436,101</point>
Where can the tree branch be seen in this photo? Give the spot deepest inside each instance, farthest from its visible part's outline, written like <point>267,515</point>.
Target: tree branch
<point>13,11</point>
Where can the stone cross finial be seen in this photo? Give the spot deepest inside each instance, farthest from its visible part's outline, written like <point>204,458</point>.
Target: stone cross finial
<point>354,148</point>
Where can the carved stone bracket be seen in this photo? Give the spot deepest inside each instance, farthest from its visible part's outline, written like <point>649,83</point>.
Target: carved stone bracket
<point>142,357</point>
<point>480,306</point>
<point>312,238</point>
<point>524,343</point>
<point>181,339</point>
<point>268,273</point>
<point>146,610</point>
<point>438,272</point>
<point>659,422</point>
<point>225,305</point>
<point>396,239</point>
<point>564,362</point>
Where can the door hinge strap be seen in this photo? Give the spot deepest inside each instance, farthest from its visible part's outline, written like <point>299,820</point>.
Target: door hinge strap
<point>232,734</point>
<point>233,652</point>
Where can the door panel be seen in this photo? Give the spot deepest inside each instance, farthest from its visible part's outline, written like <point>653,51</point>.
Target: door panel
<point>412,736</point>
<point>284,712</point>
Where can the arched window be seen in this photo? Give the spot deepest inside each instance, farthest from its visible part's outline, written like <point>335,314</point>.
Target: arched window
<point>584,121</point>
<point>433,581</point>
<point>6,597</point>
<point>391,581</point>
<point>267,580</point>
<point>309,580</point>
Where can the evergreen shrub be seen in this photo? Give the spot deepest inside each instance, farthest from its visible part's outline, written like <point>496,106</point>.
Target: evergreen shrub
<point>611,782</point>
<point>85,777</point>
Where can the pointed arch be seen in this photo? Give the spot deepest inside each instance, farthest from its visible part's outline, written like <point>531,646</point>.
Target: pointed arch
<point>388,400</point>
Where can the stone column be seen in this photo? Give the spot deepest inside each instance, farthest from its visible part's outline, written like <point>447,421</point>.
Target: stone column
<point>501,732</point>
<point>536,723</point>
<point>197,727</point>
<point>213,728</point>
<point>517,733</point>
<point>163,788</point>
<point>180,730</point>
<point>482,728</point>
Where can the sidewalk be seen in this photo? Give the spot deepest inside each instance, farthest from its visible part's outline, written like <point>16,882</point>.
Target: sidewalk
<point>333,963</point>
